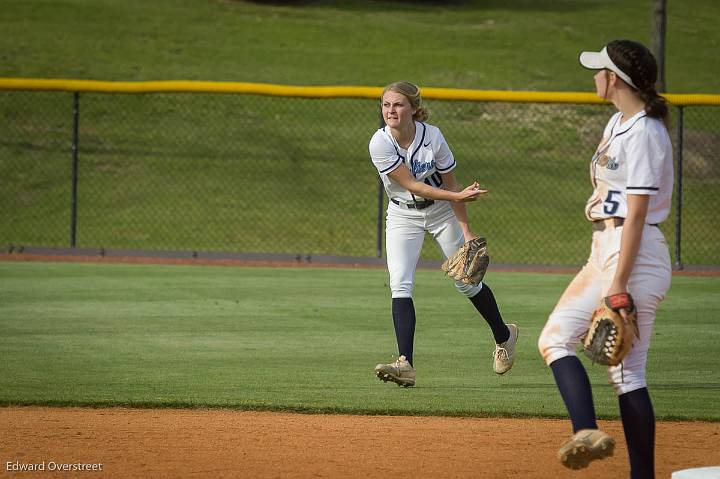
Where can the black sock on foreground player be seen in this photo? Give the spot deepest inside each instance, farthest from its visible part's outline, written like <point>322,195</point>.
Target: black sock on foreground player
<point>638,421</point>
<point>403,313</point>
<point>574,385</point>
<point>486,305</point>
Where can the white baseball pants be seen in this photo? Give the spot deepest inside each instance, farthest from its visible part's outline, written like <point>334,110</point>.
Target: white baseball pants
<point>649,281</point>
<point>404,234</point>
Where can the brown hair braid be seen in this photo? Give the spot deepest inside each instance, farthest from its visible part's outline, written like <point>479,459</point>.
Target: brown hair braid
<point>639,64</point>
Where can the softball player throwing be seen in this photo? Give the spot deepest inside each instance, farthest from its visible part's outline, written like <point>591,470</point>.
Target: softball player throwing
<point>632,177</point>
<point>417,170</point>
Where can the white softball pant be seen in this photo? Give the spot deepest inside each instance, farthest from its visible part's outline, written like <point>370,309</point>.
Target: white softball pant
<point>404,234</point>
<point>649,281</point>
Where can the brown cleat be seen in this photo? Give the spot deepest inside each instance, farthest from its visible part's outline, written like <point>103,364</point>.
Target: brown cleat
<point>585,446</point>
<point>400,372</point>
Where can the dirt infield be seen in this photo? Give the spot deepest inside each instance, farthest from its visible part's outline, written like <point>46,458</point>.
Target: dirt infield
<point>171,443</point>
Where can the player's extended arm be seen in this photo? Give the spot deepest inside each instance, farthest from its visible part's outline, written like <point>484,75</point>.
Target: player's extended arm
<point>450,183</point>
<point>402,176</point>
<point>637,206</point>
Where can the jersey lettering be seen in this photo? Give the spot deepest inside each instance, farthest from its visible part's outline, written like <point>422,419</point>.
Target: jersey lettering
<point>611,205</point>
<point>420,168</point>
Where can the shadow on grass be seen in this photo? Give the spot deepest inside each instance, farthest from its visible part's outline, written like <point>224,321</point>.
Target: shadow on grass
<point>419,5</point>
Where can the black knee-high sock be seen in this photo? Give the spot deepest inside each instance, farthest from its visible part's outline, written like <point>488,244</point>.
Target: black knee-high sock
<point>403,313</point>
<point>638,420</point>
<point>574,385</point>
<point>486,305</point>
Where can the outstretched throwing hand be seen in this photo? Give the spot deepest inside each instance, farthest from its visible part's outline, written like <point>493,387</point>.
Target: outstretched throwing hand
<point>472,192</point>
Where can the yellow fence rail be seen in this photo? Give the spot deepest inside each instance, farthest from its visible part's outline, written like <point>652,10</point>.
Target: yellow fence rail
<point>179,86</point>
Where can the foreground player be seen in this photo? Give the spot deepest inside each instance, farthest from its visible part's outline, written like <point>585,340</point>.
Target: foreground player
<point>632,176</point>
<point>416,167</point>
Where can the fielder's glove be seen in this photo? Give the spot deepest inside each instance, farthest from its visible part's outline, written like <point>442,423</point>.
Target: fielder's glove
<point>469,263</point>
<point>610,336</point>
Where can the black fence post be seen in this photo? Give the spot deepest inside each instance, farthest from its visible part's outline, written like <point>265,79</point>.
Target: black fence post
<point>73,198</point>
<point>679,188</point>
<point>380,201</point>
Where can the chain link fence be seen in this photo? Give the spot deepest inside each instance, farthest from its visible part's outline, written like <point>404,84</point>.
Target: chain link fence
<point>264,174</point>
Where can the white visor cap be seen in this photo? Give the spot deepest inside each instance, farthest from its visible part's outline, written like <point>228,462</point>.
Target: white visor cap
<point>601,60</point>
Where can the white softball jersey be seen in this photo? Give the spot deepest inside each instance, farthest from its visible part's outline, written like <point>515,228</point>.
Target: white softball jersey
<point>427,157</point>
<point>635,157</point>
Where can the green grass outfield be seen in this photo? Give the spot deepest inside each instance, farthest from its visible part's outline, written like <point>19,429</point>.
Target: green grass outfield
<point>308,339</point>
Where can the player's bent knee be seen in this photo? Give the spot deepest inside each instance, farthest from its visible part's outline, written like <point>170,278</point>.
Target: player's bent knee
<point>628,376</point>
<point>627,383</point>
<point>553,345</point>
<point>401,291</point>
<point>468,290</point>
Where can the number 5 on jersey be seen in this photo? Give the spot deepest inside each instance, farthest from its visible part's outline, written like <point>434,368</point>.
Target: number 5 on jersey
<point>611,205</point>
